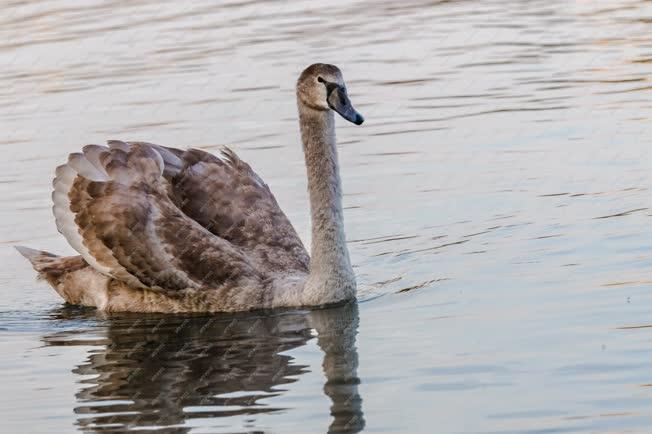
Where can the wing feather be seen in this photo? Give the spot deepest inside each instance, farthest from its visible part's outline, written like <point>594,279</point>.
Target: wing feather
<point>65,177</point>
<point>120,217</point>
<point>225,195</point>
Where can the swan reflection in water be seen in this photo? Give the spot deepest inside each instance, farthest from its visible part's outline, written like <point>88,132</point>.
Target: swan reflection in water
<point>151,372</point>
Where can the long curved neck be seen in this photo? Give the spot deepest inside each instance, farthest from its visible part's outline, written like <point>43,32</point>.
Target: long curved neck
<point>331,275</point>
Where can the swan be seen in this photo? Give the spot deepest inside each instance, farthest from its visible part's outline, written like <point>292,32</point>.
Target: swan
<point>160,229</point>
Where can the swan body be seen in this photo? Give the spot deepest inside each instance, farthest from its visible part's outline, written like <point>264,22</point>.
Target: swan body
<point>160,229</point>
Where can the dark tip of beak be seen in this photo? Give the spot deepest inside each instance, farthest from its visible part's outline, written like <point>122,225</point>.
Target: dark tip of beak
<point>358,119</point>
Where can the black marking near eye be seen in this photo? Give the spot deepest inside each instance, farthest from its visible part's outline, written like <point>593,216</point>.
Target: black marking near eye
<point>330,86</point>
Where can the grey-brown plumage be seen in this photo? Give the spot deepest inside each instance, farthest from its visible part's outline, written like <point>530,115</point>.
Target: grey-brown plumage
<point>162,229</point>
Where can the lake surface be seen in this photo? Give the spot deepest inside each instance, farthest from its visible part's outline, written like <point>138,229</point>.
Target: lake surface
<point>498,213</point>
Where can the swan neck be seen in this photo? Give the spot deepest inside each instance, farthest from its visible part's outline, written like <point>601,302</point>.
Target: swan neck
<point>331,275</point>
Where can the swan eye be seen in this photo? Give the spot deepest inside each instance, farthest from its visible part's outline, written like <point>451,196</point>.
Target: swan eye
<point>321,80</point>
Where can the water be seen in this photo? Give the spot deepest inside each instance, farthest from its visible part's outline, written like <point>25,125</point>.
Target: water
<point>497,210</point>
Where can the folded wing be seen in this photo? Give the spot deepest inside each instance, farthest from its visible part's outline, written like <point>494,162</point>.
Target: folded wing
<point>118,210</point>
<point>224,195</point>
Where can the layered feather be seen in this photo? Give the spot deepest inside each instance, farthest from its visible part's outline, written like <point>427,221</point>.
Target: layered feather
<point>170,220</point>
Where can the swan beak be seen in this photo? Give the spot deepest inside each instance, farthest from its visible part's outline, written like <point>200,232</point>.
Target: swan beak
<point>339,101</point>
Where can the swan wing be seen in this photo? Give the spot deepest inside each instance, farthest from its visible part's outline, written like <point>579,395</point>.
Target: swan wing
<point>113,206</point>
<point>225,196</point>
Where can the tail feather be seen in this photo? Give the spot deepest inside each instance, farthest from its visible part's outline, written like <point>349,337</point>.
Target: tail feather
<point>73,279</point>
<point>40,259</point>
<point>51,267</point>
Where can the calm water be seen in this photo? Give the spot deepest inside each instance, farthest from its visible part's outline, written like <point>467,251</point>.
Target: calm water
<point>497,209</point>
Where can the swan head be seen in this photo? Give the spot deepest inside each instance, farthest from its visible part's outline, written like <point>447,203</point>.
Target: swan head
<point>321,87</point>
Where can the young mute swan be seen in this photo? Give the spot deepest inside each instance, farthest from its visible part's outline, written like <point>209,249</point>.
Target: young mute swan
<point>160,229</point>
